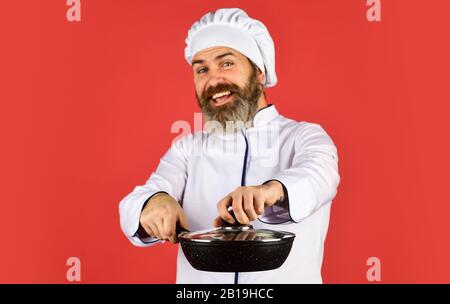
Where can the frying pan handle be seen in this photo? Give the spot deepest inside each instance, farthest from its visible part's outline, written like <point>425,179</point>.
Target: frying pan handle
<point>236,222</point>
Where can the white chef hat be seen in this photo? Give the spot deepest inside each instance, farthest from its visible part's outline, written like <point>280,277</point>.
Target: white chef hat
<point>233,28</point>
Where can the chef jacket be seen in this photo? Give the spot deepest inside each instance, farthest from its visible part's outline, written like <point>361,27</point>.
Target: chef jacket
<point>203,167</point>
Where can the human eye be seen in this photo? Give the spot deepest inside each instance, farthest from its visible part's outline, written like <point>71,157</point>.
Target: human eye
<point>228,63</point>
<point>201,70</point>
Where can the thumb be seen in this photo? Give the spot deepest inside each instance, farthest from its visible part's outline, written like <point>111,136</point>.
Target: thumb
<point>218,222</point>
<point>183,220</point>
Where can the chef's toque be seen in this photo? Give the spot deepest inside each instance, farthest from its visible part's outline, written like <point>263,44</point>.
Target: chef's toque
<point>233,28</point>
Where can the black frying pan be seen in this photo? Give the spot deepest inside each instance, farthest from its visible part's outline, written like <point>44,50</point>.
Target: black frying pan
<point>236,248</point>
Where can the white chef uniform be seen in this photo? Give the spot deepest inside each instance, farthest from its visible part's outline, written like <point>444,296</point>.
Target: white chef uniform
<point>202,168</point>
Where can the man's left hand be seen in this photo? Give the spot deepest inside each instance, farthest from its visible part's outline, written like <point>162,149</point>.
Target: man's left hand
<point>248,202</point>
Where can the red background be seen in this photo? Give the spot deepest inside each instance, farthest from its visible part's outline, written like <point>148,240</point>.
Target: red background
<point>86,111</point>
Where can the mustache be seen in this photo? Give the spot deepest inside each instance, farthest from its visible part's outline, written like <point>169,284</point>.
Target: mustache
<point>211,91</point>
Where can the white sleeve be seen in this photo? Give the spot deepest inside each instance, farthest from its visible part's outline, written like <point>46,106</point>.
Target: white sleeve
<point>169,177</point>
<point>312,179</point>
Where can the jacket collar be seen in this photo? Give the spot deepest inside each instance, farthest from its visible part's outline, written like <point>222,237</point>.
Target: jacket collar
<point>265,115</point>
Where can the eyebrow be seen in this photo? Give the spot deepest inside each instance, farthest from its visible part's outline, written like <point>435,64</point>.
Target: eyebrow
<point>217,58</point>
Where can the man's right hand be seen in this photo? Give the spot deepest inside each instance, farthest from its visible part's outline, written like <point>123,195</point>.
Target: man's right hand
<point>160,216</point>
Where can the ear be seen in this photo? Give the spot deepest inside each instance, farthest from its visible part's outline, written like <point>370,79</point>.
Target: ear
<point>261,76</point>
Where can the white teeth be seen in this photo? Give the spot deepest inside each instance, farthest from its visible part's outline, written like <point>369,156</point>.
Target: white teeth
<point>221,94</point>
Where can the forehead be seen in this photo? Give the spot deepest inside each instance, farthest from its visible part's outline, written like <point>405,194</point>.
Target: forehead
<point>211,53</point>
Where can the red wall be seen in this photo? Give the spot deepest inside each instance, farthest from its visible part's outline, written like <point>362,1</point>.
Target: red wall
<point>86,111</point>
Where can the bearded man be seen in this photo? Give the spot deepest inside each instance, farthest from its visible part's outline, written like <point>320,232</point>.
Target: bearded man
<point>249,165</point>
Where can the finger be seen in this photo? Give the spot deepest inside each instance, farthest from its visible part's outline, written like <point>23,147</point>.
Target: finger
<point>173,238</point>
<point>154,229</point>
<point>148,230</point>
<point>249,207</point>
<point>222,208</point>
<point>239,210</point>
<point>159,228</point>
<point>218,222</point>
<point>258,203</point>
<point>173,235</point>
<point>183,220</point>
<point>169,224</point>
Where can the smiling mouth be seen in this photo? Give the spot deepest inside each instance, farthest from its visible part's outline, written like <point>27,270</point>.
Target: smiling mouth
<point>221,98</point>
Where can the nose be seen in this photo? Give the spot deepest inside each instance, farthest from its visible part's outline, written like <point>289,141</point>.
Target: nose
<point>215,78</point>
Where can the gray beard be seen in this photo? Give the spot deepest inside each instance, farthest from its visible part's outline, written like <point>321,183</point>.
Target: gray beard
<point>236,115</point>
<point>236,118</point>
